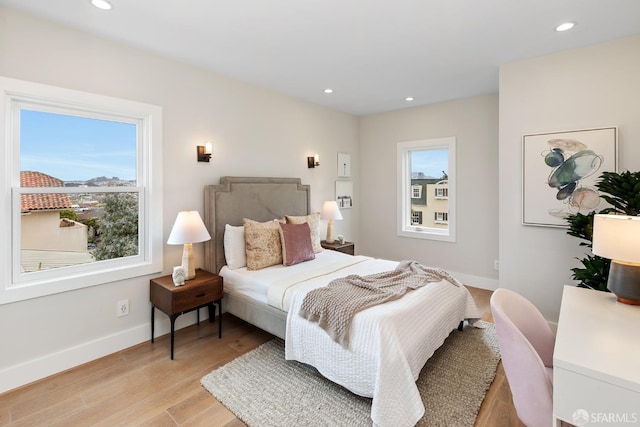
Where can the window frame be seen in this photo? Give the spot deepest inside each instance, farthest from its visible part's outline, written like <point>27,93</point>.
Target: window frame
<point>403,155</point>
<point>17,94</point>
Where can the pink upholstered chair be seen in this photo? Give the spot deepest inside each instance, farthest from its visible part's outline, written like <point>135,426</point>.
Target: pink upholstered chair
<point>526,345</point>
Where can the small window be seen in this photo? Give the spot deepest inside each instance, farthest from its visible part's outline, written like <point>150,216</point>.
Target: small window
<point>83,209</point>
<point>416,191</point>
<point>431,161</point>
<point>442,192</point>
<point>441,217</point>
<point>416,218</point>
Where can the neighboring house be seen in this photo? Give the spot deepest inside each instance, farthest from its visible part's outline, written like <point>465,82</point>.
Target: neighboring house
<point>430,202</point>
<point>48,241</point>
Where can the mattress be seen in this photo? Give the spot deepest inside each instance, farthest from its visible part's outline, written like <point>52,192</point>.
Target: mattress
<point>264,285</point>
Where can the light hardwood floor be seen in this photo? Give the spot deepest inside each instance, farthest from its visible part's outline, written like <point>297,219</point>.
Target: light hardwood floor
<point>141,386</point>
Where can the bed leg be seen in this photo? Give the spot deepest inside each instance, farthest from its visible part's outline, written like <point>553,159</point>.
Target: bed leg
<point>461,325</point>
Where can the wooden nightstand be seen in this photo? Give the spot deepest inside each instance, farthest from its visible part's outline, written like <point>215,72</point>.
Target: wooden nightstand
<point>346,247</point>
<point>203,291</point>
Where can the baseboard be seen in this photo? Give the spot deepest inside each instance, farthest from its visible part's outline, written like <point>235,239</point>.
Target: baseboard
<point>42,367</point>
<point>477,281</point>
<point>50,364</point>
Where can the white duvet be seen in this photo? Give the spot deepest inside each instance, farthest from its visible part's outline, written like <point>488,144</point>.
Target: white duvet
<point>389,343</point>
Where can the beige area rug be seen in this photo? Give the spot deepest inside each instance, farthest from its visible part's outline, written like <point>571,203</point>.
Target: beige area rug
<point>263,389</point>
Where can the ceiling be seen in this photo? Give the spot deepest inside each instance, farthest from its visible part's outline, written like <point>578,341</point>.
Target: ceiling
<point>372,53</point>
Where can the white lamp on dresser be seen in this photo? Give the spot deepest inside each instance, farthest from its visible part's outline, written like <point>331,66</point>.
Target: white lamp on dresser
<point>188,229</point>
<point>617,237</point>
<point>330,211</point>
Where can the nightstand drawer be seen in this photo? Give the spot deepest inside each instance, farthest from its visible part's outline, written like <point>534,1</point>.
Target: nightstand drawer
<point>195,296</point>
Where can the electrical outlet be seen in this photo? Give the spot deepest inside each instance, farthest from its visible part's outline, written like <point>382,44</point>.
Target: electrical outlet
<point>496,265</point>
<point>122,308</point>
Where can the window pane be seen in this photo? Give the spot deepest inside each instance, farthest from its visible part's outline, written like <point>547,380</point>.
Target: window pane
<point>61,229</point>
<point>84,228</point>
<point>77,151</point>
<point>429,171</point>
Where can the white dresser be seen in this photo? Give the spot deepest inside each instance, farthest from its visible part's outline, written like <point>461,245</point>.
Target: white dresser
<point>596,361</point>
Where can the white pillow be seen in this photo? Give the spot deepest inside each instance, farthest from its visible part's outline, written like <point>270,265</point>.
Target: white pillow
<point>234,247</point>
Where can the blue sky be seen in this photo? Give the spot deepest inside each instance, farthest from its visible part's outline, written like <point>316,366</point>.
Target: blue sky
<point>430,162</point>
<point>76,148</point>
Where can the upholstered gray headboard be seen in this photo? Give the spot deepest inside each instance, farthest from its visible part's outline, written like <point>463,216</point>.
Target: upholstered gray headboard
<point>260,199</point>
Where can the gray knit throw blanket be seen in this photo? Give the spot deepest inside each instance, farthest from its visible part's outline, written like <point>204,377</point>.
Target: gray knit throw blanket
<point>333,306</point>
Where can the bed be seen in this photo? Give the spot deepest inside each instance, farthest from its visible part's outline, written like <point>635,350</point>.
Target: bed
<point>385,352</point>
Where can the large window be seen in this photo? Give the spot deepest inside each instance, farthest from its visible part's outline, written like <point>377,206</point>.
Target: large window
<point>82,184</point>
<point>429,163</point>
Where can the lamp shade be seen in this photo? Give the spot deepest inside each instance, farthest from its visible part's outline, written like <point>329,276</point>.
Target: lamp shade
<point>188,228</point>
<point>330,210</point>
<point>617,237</point>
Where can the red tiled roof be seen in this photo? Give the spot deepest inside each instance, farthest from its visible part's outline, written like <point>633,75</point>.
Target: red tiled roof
<point>39,179</point>
<point>39,202</point>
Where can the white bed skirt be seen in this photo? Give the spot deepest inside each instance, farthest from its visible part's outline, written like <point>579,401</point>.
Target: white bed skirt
<point>259,314</point>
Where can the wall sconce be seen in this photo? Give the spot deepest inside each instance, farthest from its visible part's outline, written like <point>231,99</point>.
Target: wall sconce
<point>313,161</point>
<point>204,152</point>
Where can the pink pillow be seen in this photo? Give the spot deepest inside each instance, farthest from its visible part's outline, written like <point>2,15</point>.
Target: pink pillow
<point>296,243</point>
<point>314,226</point>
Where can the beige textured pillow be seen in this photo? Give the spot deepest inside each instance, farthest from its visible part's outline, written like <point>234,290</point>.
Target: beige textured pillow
<point>314,226</point>
<point>263,245</point>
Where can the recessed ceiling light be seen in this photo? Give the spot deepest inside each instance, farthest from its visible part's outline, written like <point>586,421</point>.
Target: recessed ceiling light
<point>409,98</point>
<point>328,90</point>
<point>565,26</point>
<point>102,4</point>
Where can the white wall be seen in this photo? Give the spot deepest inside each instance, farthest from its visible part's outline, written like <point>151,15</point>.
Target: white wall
<point>579,89</point>
<point>474,123</point>
<point>255,132</point>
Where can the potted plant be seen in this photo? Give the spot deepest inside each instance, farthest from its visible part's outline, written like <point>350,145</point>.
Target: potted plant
<point>622,192</point>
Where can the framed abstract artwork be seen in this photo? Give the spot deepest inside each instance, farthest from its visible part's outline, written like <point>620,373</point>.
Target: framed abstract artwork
<point>560,170</point>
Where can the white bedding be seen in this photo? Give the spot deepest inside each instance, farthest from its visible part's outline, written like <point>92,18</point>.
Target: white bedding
<point>389,343</point>
<point>262,285</point>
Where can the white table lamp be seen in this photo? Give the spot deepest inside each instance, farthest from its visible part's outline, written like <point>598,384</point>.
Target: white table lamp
<point>617,237</point>
<point>188,229</point>
<point>330,211</point>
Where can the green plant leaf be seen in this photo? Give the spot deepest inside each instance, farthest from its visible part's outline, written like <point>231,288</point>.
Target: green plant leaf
<point>595,273</point>
<point>622,192</point>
